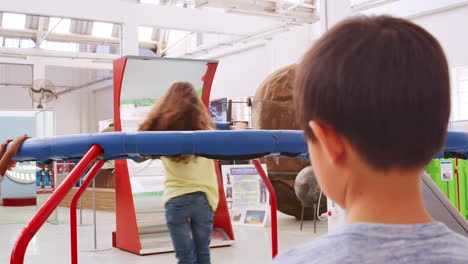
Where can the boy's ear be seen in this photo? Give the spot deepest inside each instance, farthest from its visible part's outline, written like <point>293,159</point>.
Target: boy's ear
<point>330,141</point>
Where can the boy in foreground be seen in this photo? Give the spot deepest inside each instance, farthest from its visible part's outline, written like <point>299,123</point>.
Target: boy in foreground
<point>373,98</point>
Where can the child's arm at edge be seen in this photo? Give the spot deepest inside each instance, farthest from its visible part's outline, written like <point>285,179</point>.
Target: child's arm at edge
<point>7,155</point>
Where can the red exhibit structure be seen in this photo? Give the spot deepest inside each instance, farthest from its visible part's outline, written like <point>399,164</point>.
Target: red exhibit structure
<point>92,157</point>
<point>19,250</point>
<point>128,236</point>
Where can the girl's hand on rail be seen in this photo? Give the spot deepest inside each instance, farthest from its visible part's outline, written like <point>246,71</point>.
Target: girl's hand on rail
<point>3,147</point>
<point>15,146</point>
<point>145,158</point>
<point>141,159</point>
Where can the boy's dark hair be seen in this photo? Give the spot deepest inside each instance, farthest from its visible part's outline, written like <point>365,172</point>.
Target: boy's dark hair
<point>381,82</point>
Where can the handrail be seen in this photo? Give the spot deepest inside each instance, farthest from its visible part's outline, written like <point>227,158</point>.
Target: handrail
<point>19,250</point>
<point>73,223</point>
<point>235,144</point>
<point>273,208</point>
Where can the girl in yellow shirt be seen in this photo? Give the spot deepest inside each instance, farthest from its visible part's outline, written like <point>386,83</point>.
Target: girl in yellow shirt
<point>191,186</point>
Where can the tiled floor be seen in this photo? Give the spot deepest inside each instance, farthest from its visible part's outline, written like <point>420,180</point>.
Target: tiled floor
<point>52,245</point>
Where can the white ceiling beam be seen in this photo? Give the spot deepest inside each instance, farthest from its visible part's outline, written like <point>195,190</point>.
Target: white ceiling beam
<point>79,38</point>
<point>412,8</point>
<point>40,30</point>
<point>303,4</point>
<point>57,58</point>
<point>123,11</point>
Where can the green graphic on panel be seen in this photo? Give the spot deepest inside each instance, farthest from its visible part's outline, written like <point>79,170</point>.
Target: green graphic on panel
<point>450,175</point>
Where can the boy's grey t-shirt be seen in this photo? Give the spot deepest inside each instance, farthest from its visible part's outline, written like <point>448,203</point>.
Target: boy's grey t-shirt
<point>383,243</point>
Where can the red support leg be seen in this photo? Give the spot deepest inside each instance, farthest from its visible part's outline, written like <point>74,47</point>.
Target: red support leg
<point>273,207</point>
<point>73,229</point>
<point>221,218</point>
<point>19,250</point>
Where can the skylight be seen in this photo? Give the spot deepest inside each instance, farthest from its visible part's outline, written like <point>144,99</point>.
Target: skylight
<point>12,43</point>
<point>27,43</point>
<point>294,1</point>
<point>102,29</point>
<point>60,46</point>
<point>145,33</point>
<point>156,2</point>
<point>13,21</point>
<point>59,25</point>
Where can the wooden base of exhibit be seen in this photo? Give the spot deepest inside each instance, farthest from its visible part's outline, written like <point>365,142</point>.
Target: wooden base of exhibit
<point>105,199</point>
<point>20,201</point>
<point>160,242</point>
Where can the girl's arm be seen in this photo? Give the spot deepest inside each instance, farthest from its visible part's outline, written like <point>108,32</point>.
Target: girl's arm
<point>3,147</point>
<point>5,162</point>
<point>8,155</point>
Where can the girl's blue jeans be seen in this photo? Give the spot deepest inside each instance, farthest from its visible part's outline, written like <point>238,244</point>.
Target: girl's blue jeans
<point>190,222</point>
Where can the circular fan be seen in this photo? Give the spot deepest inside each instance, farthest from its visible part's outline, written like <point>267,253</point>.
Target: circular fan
<point>42,92</point>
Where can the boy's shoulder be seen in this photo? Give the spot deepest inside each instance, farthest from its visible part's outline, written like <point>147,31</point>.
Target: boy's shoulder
<point>381,243</point>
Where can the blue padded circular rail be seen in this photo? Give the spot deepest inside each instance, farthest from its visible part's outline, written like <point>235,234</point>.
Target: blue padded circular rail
<point>242,144</point>
<point>238,144</point>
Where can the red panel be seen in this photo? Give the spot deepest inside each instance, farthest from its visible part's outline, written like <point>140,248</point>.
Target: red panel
<point>458,185</point>
<point>114,239</point>
<point>208,81</point>
<point>273,207</point>
<point>222,219</point>
<point>19,201</point>
<point>119,69</point>
<point>127,237</point>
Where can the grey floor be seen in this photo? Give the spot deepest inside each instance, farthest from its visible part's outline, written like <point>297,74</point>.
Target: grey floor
<point>52,243</point>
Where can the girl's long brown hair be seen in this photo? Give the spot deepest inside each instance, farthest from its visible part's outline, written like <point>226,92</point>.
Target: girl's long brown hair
<point>180,109</point>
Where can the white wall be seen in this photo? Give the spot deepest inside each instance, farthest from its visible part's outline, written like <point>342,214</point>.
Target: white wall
<point>15,98</point>
<point>445,19</point>
<point>449,27</point>
<point>104,104</point>
<point>240,74</point>
<point>68,114</point>
<point>67,108</point>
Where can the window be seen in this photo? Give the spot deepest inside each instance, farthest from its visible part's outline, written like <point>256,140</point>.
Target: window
<point>60,46</point>
<point>103,49</point>
<point>102,29</point>
<point>59,25</point>
<point>13,21</point>
<point>460,100</point>
<point>16,43</point>
<point>12,43</point>
<point>145,33</point>
<point>156,2</point>
<point>27,43</point>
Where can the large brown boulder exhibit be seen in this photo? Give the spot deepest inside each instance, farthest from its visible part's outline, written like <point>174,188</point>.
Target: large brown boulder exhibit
<point>273,108</point>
